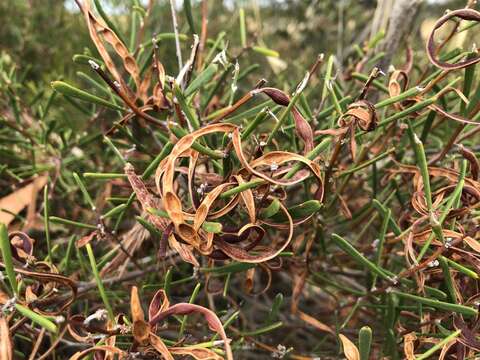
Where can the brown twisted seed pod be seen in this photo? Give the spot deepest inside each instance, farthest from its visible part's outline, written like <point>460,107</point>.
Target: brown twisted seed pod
<point>364,114</point>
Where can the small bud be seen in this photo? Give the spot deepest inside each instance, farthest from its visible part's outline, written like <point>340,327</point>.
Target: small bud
<point>273,167</point>
<point>9,305</point>
<point>416,139</point>
<point>303,83</point>
<point>99,315</point>
<point>221,58</point>
<point>131,149</point>
<point>330,85</point>
<point>94,65</point>
<point>77,152</point>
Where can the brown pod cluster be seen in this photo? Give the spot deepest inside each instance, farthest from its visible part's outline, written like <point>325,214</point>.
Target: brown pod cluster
<point>186,223</point>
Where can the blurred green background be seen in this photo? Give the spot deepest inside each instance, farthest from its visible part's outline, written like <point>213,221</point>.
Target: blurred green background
<point>41,36</point>
<point>38,38</point>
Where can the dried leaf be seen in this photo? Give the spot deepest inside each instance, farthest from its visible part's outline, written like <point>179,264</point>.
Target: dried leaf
<point>249,278</point>
<point>103,348</point>
<point>314,322</point>
<point>240,254</point>
<point>186,309</point>
<point>50,282</point>
<point>472,159</point>
<point>197,353</point>
<point>158,304</point>
<point>160,346</point>
<point>12,204</point>
<point>474,244</point>
<point>408,345</point>
<point>248,200</point>
<point>349,348</point>
<point>185,251</point>
<point>6,348</point>
<point>141,328</point>
<point>84,240</point>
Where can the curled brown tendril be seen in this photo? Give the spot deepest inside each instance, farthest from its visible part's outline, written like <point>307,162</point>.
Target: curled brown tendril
<point>465,14</point>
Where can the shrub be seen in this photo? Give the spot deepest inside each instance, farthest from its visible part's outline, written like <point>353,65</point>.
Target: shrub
<point>335,216</point>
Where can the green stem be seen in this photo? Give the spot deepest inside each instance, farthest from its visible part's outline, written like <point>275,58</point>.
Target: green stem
<point>98,280</point>
<point>7,258</point>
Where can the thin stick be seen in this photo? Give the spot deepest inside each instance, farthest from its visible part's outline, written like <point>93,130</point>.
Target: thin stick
<point>177,38</point>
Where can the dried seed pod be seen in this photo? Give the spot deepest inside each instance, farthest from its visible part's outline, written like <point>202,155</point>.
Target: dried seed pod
<point>97,28</point>
<point>363,114</point>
